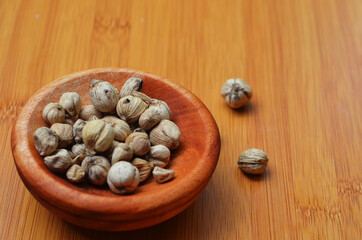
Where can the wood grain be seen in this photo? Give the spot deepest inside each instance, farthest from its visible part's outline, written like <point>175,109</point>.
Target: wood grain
<point>302,59</point>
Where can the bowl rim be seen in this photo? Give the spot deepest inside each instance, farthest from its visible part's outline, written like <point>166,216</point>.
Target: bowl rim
<point>102,206</point>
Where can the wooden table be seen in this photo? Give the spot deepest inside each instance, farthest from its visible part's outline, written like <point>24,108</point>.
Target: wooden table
<point>302,59</point>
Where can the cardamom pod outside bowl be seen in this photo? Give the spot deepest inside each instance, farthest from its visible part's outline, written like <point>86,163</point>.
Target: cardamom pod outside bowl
<point>97,207</point>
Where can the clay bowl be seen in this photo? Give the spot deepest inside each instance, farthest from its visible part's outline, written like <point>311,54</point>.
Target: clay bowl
<point>97,207</point>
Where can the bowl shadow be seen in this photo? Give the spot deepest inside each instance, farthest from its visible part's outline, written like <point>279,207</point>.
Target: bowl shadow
<point>247,109</point>
<point>179,226</point>
<point>259,177</point>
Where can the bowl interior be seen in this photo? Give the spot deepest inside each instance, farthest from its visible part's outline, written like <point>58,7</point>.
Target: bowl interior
<point>194,161</point>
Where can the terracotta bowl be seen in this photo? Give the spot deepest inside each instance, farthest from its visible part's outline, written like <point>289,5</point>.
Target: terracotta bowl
<point>97,207</point>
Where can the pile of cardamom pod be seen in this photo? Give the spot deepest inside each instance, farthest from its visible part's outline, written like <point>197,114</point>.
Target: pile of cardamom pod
<point>119,139</point>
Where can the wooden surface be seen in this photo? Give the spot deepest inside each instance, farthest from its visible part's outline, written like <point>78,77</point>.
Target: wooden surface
<point>302,60</point>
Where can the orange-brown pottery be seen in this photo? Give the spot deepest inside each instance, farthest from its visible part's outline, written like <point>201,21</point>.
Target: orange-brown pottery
<point>97,207</point>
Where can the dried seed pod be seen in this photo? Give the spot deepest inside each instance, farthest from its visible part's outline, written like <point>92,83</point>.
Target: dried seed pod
<point>97,136</point>
<point>92,118</point>
<point>79,150</point>
<point>139,143</point>
<point>132,84</point>
<point>139,130</point>
<point>154,114</point>
<point>69,121</point>
<point>71,102</point>
<point>71,154</point>
<point>166,133</point>
<point>130,108</point>
<point>104,96</point>
<point>236,92</point>
<point>75,173</point>
<point>64,132</point>
<point>121,128</point>
<point>143,167</point>
<point>159,155</point>
<point>45,140</point>
<point>120,152</point>
<point>96,169</point>
<point>77,130</point>
<point>163,175</point>
<point>123,178</point>
<point>76,159</point>
<point>53,113</point>
<point>88,111</point>
<point>253,161</point>
<point>144,97</point>
<point>59,161</point>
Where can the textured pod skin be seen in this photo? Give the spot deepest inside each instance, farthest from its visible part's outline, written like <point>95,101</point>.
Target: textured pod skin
<point>88,111</point>
<point>236,92</point>
<point>139,143</point>
<point>45,140</point>
<point>159,155</point>
<point>96,169</point>
<point>132,84</point>
<point>166,133</point>
<point>64,132</point>
<point>97,136</point>
<point>54,113</point>
<point>144,167</point>
<point>77,130</point>
<point>104,96</point>
<point>59,162</point>
<point>130,108</point>
<point>71,102</point>
<point>119,152</point>
<point>253,161</point>
<point>154,114</point>
<point>80,150</point>
<point>70,121</point>
<point>163,175</point>
<point>143,96</point>
<point>75,173</point>
<point>121,128</point>
<point>123,178</point>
